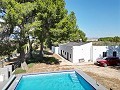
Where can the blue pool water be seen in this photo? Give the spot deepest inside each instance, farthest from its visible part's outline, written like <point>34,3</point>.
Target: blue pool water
<point>54,81</point>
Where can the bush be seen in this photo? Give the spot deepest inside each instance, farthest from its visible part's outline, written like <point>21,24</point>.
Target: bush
<point>19,70</point>
<point>51,60</point>
<point>30,65</point>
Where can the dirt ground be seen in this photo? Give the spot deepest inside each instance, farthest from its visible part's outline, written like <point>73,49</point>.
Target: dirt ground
<point>107,76</point>
<point>109,79</point>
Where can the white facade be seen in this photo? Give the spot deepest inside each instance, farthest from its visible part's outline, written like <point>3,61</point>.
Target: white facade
<point>55,49</point>
<point>77,52</point>
<point>82,53</point>
<point>66,52</point>
<point>98,51</point>
<point>1,77</point>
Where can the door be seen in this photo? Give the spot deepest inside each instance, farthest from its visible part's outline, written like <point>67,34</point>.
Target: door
<point>114,54</point>
<point>67,56</point>
<point>61,52</point>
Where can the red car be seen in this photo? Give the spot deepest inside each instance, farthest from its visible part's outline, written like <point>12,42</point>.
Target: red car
<point>108,61</point>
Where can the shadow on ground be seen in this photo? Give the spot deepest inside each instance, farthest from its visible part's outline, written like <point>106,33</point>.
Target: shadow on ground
<point>48,53</point>
<point>115,67</point>
<point>47,60</point>
<point>112,67</point>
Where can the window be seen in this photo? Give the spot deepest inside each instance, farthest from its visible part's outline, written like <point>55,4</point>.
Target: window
<point>70,55</point>
<point>114,54</point>
<point>65,53</point>
<point>67,56</point>
<point>104,54</point>
<point>61,52</point>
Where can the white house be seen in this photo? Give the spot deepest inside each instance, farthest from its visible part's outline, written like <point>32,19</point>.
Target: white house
<point>85,52</point>
<point>104,51</point>
<point>76,52</point>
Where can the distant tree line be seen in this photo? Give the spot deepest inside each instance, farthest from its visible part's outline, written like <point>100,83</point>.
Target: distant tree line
<point>110,39</point>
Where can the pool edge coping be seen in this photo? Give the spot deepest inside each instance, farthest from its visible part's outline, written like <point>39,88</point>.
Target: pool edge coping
<point>89,79</point>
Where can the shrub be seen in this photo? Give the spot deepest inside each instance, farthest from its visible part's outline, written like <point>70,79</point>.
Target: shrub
<point>51,60</point>
<point>30,65</point>
<point>19,70</point>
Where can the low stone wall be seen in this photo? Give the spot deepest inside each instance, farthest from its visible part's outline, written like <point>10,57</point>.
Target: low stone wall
<point>5,72</point>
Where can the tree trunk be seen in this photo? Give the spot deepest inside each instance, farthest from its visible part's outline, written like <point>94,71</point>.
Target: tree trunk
<point>22,52</point>
<point>30,47</point>
<point>49,43</point>
<point>31,56</point>
<point>22,58</point>
<point>41,50</point>
<point>22,55</point>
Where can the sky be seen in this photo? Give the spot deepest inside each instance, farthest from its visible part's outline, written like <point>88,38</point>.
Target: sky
<point>97,18</point>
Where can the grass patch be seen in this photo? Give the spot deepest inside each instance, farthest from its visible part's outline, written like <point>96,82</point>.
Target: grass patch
<point>30,65</point>
<point>19,70</point>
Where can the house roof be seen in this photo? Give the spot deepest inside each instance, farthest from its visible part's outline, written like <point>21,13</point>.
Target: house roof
<point>75,43</point>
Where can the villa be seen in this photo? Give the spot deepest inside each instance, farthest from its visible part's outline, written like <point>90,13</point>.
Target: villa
<point>85,52</point>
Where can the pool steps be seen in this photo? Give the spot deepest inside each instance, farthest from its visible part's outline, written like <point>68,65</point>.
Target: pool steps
<point>74,78</point>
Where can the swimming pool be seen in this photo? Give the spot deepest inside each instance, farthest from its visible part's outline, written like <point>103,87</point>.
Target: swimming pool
<point>54,81</point>
<point>60,80</point>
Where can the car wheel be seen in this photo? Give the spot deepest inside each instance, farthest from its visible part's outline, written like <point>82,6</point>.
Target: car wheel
<point>105,65</point>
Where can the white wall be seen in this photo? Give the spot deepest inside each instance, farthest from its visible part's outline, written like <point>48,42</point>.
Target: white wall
<point>82,52</point>
<point>97,51</point>
<point>77,54</point>
<point>87,52</point>
<point>2,77</point>
<point>55,49</point>
<point>66,49</point>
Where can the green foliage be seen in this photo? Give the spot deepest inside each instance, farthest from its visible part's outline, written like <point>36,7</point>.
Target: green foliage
<point>19,70</point>
<point>18,14</point>
<point>51,60</point>
<point>30,65</point>
<point>111,39</point>
<point>48,19</point>
<point>47,60</point>
<point>106,43</point>
<point>67,30</point>
<point>6,47</point>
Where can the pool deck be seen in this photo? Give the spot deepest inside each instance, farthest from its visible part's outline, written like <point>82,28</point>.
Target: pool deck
<point>2,84</point>
<point>94,83</point>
